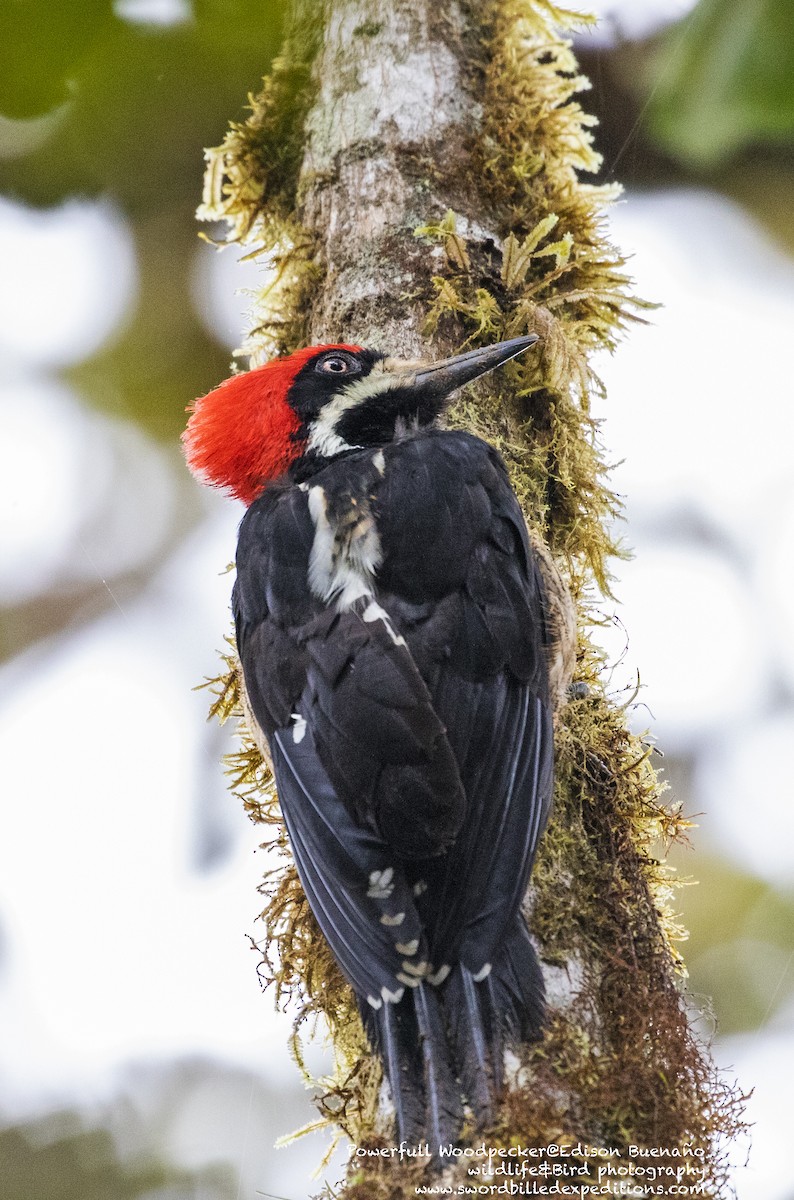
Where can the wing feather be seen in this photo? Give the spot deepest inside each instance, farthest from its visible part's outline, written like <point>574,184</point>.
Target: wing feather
<point>349,874</point>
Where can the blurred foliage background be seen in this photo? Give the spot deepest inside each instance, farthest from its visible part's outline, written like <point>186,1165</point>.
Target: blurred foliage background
<point>112,103</point>
<point>122,109</point>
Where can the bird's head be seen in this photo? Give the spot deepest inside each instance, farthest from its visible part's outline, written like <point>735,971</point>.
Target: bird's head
<point>297,413</point>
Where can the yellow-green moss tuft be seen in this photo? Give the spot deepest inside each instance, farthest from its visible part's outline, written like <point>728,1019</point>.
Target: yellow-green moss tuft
<point>251,184</point>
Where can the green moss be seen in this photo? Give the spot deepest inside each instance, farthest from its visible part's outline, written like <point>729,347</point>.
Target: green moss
<point>537,413</point>
<point>251,184</point>
<point>253,175</point>
<point>619,1064</point>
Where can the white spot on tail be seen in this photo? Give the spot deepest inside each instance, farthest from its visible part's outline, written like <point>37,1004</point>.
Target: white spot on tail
<point>380,884</point>
<point>407,980</point>
<point>375,1002</point>
<point>392,997</point>
<point>397,919</point>
<point>407,948</point>
<point>298,728</point>
<point>483,973</point>
<point>440,975</point>
<point>418,969</point>
<point>419,887</point>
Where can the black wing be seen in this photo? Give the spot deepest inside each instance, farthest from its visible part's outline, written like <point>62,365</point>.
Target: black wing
<point>352,731</point>
<point>426,731</point>
<point>481,645</point>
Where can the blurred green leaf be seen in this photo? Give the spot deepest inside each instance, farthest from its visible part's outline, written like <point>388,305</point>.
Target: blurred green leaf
<point>766,188</point>
<point>83,1164</point>
<point>144,101</point>
<point>723,80</point>
<point>163,359</point>
<point>741,937</point>
<point>95,104</point>
<point>41,46</point>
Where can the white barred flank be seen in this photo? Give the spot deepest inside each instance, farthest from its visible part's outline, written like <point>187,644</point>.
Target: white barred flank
<point>343,562</point>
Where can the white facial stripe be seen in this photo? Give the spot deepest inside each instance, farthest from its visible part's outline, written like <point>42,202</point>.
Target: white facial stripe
<point>323,437</point>
<point>325,441</point>
<point>379,380</point>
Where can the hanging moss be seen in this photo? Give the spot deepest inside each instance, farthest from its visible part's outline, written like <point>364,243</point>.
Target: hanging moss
<point>619,1064</point>
<point>251,184</point>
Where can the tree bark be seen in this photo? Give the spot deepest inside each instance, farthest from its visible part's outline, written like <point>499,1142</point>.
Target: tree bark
<point>389,144</point>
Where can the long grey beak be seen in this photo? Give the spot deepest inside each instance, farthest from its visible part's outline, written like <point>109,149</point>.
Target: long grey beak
<point>444,377</point>
<point>367,412</point>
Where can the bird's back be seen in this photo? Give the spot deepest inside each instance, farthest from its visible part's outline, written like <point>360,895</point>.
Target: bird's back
<point>392,632</point>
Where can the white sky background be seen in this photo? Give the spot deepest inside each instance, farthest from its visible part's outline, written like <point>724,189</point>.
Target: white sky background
<point>118,941</point>
<point>631,18</point>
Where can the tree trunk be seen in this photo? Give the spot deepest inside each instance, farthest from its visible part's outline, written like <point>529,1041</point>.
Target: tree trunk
<point>389,147</point>
<point>411,170</point>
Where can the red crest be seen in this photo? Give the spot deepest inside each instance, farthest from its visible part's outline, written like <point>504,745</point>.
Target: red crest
<point>244,433</point>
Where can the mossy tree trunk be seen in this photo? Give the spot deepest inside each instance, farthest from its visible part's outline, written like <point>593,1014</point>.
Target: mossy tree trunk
<point>411,171</point>
<point>390,142</point>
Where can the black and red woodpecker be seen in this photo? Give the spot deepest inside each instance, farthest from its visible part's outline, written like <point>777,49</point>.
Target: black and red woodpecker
<point>394,635</point>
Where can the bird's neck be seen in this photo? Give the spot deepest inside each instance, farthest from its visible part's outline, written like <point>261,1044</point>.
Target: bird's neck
<point>310,463</point>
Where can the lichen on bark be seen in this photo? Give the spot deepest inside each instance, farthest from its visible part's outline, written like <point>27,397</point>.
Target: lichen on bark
<point>428,195</point>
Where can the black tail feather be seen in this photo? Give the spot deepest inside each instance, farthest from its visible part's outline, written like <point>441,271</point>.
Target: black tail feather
<point>472,1044</point>
<point>516,994</point>
<point>496,1025</point>
<point>392,1031</point>
<point>483,1018</point>
<point>444,1110</point>
<point>441,1046</point>
<point>412,1042</point>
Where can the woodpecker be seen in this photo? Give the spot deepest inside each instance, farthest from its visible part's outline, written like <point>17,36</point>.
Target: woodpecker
<point>395,635</point>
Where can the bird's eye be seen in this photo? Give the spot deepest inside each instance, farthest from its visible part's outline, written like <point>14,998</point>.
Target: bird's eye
<point>337,364</point>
